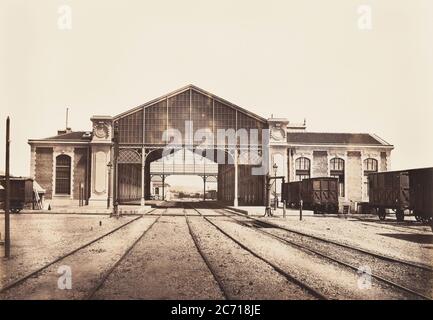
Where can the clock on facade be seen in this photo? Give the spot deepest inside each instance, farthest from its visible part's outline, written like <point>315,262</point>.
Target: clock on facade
<point>101,131</point>
<point>277,134</point>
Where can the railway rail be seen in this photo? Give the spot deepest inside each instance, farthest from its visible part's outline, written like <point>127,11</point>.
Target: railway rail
<point>36,272</point>
<point>104,278</point>
<point>315,293</point>
<point>405,226</point>
<point>225,293</point>
<point>301,245</point>
<point>330,250</point>
<point>343,245</point>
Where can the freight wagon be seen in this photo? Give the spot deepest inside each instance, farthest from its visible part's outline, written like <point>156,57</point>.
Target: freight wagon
<point>21,193</point>
<point>421,193</point>
<point>317,194</point>
<point>400,191</point>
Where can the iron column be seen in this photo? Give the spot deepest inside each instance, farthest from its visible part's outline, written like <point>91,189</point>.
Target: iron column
<point>7,187</point>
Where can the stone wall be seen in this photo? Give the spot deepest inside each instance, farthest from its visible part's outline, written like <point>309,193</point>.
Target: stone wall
<point>383,166</point>
<point>320,164</point>
<point>353,176</point>
<point>44,169</point>
<point>80,169</point>
<point>355,181</point>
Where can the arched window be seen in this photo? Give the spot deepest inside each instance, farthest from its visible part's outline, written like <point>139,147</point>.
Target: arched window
<point>302,168</point>
<point>337,171</point>
<point>370,166</point>
<point>63,174</point>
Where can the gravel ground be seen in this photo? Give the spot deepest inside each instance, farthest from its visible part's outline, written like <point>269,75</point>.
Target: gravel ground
<point>405,244</point>
<point>87,267</point>
<point>411,277</point>
<point>393,225</point>
<point>164,265</point>
<point>39,239</point>
<point>243,276</point>
<point>332,280</point>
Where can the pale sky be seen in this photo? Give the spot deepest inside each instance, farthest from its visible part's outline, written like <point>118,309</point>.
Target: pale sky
<point>294,59</point>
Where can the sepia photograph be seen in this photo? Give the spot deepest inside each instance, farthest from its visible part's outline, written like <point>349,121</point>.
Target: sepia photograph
<point>221,158</point>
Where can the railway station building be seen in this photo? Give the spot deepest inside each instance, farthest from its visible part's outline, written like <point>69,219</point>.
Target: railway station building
<point>240,149</point>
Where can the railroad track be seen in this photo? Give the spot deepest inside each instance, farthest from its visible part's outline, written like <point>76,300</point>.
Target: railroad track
<point>396,226</point>
<point>104,278</point>
<point>34,273</point>
<point>315,293</point>
<point>327,256</point>
<point>226,295</point>
<point>343,245</point>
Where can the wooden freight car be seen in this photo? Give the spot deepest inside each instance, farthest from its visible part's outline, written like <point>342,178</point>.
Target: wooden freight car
<point>405,190</point>
<point>291,193</point>
<point>21,193</point>
<point>421,193</point>
<point>317,194</point>
<point>389,190</point>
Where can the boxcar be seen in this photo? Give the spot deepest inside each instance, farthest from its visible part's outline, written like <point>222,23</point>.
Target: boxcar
<point>421,193</point>
<point>317,194</point>
<point>291,193</point>
<point>21,193</point>
<point>405,190</point>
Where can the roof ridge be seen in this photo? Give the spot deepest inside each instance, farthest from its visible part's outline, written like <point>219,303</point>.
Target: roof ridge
<point>66,133</point>
<point>375,136</point>
<point>321,138</point>
<point>183,89</point>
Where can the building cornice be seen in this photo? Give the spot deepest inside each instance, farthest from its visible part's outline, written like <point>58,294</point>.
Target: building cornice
<point>342,145</point>
<point>57,142</point>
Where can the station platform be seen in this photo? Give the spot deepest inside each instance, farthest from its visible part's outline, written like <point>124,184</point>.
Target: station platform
<point>88,210</point>
<point>260,211</point>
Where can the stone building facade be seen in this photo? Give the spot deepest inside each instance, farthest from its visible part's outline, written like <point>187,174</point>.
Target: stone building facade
<point>79,167</point>
<point>346,156</point>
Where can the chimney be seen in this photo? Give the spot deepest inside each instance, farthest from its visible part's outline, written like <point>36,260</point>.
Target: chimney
<point>67,130</point>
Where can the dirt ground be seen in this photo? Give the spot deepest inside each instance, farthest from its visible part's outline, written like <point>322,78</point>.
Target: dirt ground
<point>406,241</point>
<point>166,264</point>
<point>37,239</point>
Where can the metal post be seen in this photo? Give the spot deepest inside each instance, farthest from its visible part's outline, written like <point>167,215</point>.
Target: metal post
<point>163,187</point>
<point>143,176</point>
<point>236,202</point>
<point>284,208</point>
<point>7,200</point>
<point>276,197</point>
<point>204,188</point>
<point>301,203</point>
<point>109,166</point>
<point>268,197</point>
<point>115,158</point>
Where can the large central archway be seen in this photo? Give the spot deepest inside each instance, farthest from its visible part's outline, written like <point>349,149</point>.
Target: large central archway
<point>145,132</point>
